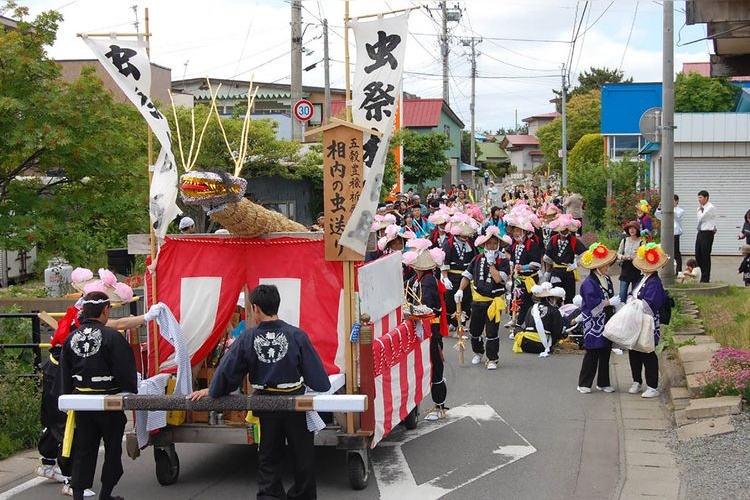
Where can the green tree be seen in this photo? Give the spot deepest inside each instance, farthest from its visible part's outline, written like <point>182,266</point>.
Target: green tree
<point>466,147</point>
<point>694,93</point>
<point>424,155</point>
<point>584,117</point>
<point>588,150</point>
<point>72,161</point>
<point>591,79</point>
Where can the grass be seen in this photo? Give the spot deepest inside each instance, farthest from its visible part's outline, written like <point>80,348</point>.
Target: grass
<point>726,316</point>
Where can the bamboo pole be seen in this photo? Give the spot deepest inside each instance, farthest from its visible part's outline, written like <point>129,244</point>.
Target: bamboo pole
<point>152,234</point>
<point>348,91</point>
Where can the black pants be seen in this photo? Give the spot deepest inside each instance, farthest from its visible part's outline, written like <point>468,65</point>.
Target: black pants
<point>704,242</point>
<point>91,428</point>
<point>450,302</point>
<point>567,282</point>
<point>677,253</point>
<point>649,361</point>
<point>439,390</point>
<point>595,362</point>
<point>278,429</point>
<point>479,324</point>
<point>53,421</point>
<point>526,299</point>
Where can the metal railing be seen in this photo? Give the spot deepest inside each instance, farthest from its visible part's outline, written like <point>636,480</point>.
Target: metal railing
<point>36,336</point>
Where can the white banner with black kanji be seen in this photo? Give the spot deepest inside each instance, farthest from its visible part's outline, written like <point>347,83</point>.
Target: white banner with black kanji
<point>381,49</point>
<point>128,64</point>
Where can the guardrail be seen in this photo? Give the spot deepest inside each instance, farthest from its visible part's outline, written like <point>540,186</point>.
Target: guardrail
<point>36,336</point>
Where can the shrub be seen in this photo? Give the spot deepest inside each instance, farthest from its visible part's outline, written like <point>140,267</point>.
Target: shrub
<point>19,411</point>
<point>729,374</point>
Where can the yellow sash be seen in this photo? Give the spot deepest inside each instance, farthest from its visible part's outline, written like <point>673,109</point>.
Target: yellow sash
<point>70,426</point>
<point>497,305</point>
<point>576,274</point>
<point>255,421</point>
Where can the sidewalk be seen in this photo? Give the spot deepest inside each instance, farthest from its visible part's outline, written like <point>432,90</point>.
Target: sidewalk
<point>647,465</point>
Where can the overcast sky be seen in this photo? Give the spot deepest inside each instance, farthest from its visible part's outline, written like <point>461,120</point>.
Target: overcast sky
<point>525,43</point>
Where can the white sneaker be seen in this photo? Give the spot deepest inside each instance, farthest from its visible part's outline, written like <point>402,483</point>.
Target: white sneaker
<point>50,472</point>
<point>609,388</point>
<point>492,365</point>
<point>650,392</point>
<point>512,336</point>
<point>509,324</point>
<point>67,490</point>
<point>435,414</point>
<point>635,388</point>
<point>476,359</point>
<point>584,390</point>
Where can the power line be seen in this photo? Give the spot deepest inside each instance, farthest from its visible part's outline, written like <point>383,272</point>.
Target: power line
<point>630,33</point>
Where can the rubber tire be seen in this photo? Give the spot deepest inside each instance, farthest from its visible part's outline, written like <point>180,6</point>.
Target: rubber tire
<point>358,472</point>
<point>412,419</point>
<point>167,465</point>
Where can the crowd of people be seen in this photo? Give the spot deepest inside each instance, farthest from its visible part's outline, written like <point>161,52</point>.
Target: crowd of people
<point>520,258</point>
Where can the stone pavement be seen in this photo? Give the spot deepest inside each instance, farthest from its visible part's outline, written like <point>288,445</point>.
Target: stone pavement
<point>647,465</point>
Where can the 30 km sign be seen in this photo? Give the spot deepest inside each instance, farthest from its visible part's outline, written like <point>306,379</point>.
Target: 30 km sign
<point>303,110</point>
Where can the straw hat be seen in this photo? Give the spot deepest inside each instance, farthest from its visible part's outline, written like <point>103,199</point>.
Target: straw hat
<point>83,280</point>
<point>548,210</point>
<point>563,222</point>
<point>650,258</point>
<point>462,225</point>
<point>596,256</point>
<point>382,221</point>
<point>439,217</point>
<point>516,220</point>
<point>421,257</point>
<point>547,290</point>
<point>392,232</point>
<point>745,249</point>
<point>493,232</point>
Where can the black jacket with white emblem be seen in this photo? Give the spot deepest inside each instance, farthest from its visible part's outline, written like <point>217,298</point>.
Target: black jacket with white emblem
<point>279,359</point>
<point>97,359</point>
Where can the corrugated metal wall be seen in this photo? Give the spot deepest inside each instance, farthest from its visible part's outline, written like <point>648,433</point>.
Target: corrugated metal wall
<point>728,182</point>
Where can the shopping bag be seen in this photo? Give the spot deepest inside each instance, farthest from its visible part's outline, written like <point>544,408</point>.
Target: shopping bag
<point>624,327</point>
<point>645,342</point>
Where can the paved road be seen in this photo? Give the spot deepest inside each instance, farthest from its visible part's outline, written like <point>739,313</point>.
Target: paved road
<point>519,432</point>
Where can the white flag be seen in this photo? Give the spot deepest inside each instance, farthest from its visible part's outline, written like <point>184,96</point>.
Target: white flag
<point>127,63</point>
<point>381,47</point>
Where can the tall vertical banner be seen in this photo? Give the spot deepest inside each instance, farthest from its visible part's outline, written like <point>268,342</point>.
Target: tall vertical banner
<point>126,61</point>
<point>381,48</point>
<point>342,186</point>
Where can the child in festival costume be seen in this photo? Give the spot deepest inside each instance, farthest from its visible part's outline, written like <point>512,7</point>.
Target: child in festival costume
<point>599,302</point>
<point>561,253</point>
<point>745,265</point>
<point>487,274</point>
<point>649,259</point>
<point>644,219</point>
<point>526,257</point>
<point>424,289</point>
<point>459,252</point>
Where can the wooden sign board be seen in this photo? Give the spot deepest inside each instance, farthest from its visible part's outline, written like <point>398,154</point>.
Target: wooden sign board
<point>342,185</point>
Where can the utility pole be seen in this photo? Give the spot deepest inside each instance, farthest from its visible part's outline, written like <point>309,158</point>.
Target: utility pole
<point>444,53</point>
<point>326,76</point>
<point>667,142</point>
<point>472,42</point>
<point>564,151</point>
<point>296,90</point>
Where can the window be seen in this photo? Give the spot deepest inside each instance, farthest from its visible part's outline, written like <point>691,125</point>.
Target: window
<point>620,145</point>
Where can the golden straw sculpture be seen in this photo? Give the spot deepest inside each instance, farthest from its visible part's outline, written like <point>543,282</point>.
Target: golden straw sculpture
<point>221,194</point>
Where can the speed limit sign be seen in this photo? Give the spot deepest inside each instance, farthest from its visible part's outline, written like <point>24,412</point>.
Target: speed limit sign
<point>303,110</point>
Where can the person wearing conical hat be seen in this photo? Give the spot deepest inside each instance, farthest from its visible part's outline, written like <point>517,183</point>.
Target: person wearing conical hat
<point>424,289</point>
<point>526,257</point>
<point>459,252</point>
<point>561,252</point>
<point>598,305</point>
<point>487,274</point>
<point>649,259</point>
<point>393,240</point>
<point>377,231</point>
<point>544,319</point>
<point>439,220</point>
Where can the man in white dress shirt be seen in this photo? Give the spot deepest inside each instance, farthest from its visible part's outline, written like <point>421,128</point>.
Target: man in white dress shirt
<point>704,241</point>
<point>679,213</point>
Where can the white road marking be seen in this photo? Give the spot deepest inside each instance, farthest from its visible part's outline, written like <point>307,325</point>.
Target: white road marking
<point>22,487</point>
<point>394,476</point>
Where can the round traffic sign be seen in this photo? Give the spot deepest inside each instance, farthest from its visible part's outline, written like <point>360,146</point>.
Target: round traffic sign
<point>303,110</point>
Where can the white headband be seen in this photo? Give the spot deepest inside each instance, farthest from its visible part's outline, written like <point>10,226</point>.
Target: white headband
<point>97,301</point>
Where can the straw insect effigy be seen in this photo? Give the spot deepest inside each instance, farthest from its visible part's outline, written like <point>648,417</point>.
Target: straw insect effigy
<point>221,195</point>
